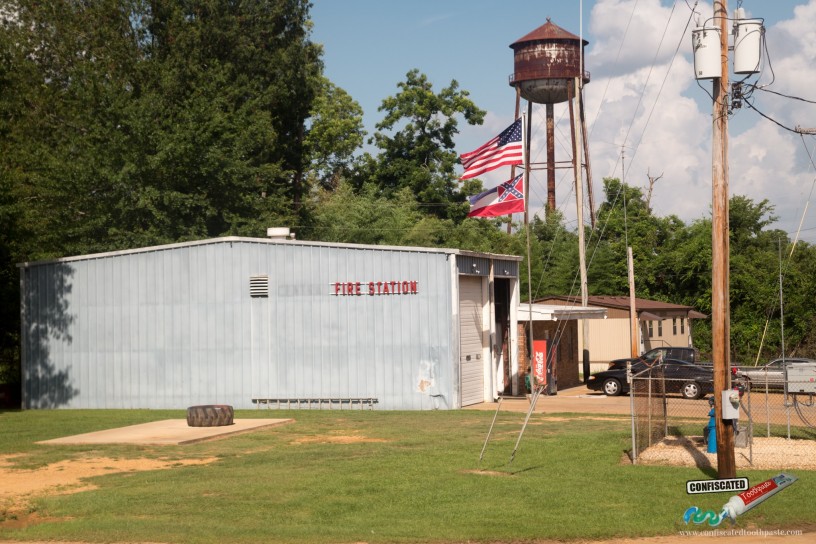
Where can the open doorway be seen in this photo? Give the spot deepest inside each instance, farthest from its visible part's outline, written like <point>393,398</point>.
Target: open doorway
<point>504,374</point>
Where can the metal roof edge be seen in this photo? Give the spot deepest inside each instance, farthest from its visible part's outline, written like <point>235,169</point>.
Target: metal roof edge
<point>641,304</point>
<point>231,239</point>
<point>554,312</point>
<point>468,253</point>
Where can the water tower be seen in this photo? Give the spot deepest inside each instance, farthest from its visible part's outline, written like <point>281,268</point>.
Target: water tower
<point>548,67</point>
<point>549,70</point>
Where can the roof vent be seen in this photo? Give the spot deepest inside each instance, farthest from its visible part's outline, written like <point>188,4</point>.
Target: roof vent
<point>279,233</point>
<point>259,286</point>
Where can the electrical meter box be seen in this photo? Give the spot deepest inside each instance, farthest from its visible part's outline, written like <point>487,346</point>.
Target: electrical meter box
<point>801,377</point>
<point>730,404</point>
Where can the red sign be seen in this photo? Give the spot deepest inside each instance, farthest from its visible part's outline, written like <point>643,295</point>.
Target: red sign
<point>540,362</point>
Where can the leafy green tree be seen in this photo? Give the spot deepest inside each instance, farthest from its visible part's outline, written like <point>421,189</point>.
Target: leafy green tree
<point>128,123</point>
<point>799,292</point>
<point>230,94</point>
<point>146,122</point>
<point>415,139</point>
<point>558,255</point>
<point>365,216</point>
<point>335,134</point>
<point>625,220</point>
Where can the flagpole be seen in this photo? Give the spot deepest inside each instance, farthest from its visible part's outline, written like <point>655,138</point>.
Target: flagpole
<point>525,146</point>
<point>513,167</point>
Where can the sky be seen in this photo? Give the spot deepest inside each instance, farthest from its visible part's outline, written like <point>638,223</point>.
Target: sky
<point>647,115</point>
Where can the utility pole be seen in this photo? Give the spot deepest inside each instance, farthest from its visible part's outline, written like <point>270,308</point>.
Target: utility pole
<point>720,309</point>
<point>579,199</point>
<point>633,320</point>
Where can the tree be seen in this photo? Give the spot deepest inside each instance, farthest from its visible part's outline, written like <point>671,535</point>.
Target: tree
<point>142,122</point>
<point>625,219</point>
<point>557,274</point>
<point>334,135</point>
<point>364,217</point>
<point>416,145</point>
<point>128,123</point>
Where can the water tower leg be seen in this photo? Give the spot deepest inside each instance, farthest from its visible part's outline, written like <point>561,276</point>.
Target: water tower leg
<point>550,159</point>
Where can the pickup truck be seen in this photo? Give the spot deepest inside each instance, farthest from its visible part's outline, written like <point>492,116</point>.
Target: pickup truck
<point>772,374</point>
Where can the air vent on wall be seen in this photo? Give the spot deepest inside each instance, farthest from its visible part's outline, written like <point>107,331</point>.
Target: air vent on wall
<point>259,286</point>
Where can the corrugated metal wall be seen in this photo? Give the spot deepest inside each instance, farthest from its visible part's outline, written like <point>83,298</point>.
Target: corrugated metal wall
<point>173,327</point>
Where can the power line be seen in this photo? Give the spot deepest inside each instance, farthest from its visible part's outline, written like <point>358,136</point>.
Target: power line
<point>665,77</point>
<point>648,76</point>
<point>763,89</point>
<point>768,117</point>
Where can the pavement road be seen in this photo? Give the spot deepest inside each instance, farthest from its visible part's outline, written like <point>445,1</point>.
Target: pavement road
<point>575,399</point>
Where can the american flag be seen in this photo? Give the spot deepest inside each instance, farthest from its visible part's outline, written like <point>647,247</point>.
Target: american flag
<point>505,199</point>
<point>503,150</point>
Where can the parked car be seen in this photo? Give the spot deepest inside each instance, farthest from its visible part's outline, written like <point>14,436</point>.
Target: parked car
<point>688,379</point>
<point>690,355</point>
<point>772,374</point>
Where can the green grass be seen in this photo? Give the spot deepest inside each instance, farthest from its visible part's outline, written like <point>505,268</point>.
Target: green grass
<point>414,478</point>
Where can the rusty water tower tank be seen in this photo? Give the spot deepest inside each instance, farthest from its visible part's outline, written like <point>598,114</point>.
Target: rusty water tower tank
<point>546,62</point>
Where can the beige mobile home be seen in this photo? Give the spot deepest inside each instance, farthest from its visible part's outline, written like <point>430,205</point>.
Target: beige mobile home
<point>659,324</point>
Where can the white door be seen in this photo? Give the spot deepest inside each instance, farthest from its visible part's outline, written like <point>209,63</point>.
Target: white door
<point>472,339</point>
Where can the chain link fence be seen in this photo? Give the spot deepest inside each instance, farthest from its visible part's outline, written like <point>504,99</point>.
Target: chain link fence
<point>776,426</point>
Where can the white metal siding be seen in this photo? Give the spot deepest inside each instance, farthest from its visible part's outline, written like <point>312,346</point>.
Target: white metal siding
<point>471,339</point>
<point>176,326</point>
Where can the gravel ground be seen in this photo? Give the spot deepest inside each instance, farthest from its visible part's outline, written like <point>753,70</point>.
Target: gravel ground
<point>768,453</point>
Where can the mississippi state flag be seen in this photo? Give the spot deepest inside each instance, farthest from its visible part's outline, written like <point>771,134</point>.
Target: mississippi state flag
<point>506,149</point>
<point>505,199</point>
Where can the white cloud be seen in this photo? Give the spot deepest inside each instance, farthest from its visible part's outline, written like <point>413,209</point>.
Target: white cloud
<point>651,33</point>
<point>647,104</point>
<point>670,134</point>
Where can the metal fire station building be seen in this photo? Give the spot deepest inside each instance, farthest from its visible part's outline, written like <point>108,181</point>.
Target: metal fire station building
<point>254,321</point>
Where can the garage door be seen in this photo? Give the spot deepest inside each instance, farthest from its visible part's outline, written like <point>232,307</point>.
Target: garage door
<point>472,340</point>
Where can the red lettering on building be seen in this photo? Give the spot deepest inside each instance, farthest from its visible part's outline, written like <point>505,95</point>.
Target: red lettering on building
<point>391,287</point>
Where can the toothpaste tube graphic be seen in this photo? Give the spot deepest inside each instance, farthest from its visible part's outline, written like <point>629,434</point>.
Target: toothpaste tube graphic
<point>739,504</point>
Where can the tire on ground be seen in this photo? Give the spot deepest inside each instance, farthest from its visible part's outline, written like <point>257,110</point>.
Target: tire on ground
<point>210,415</point>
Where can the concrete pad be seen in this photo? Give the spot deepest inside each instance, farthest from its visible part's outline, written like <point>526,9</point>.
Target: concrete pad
<point>173,432</point>
<point>578,399</point>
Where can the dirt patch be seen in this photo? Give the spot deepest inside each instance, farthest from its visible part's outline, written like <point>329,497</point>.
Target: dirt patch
<point>64,477</point>
<point>487,472</point>
<point>768,454</point>
<point>337,439</point>
<point>581,418</point>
